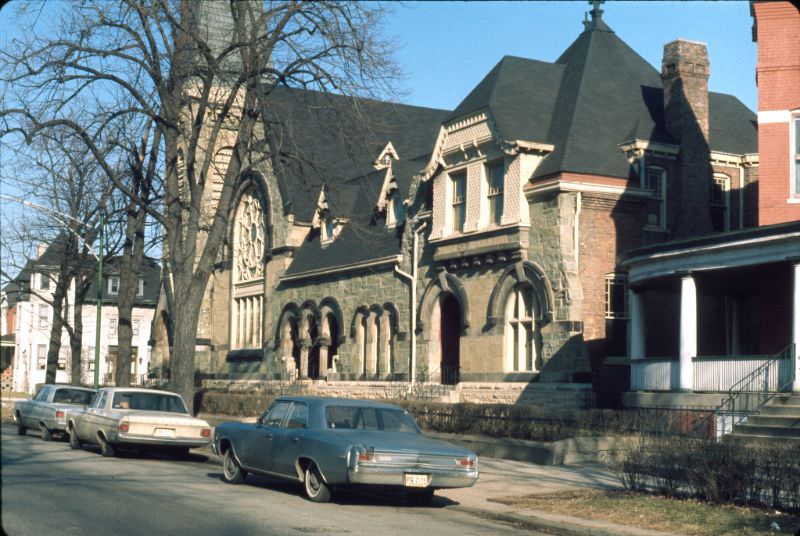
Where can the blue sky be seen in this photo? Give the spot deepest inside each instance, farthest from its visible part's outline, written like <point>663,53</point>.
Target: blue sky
<point>446,48</point>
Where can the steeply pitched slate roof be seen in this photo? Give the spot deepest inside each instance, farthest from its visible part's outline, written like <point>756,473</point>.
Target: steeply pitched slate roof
<point>733,128</point>
<point>330,138</point>
<point>597,95</point>
<point>607,92</point>
<point>358,242</point>
<point>520,93</point>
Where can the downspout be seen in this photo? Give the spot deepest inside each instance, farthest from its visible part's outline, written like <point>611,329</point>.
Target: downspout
<point>412,278</point>
<point>741,197</point>
<point>576,229</point>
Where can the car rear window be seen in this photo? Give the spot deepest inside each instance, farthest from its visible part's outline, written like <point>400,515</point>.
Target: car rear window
<point>149,402</point>
<point>367,418</point>
<point>73,396</point>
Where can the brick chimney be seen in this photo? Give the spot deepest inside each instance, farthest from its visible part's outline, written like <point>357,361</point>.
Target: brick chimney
<point>684,74</point>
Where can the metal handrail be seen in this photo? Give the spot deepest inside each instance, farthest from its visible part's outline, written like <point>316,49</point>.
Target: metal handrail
<point>740,414</point>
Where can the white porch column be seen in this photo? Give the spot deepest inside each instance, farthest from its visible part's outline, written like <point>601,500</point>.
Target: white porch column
<point>637,341</point>
<point>688,333</point>
<point>796,325</point>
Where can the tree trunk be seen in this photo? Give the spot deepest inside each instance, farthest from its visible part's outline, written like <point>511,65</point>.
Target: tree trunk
<point>63,280</point>
<point>76,341</point>
<point>133,252</point>
<point>182,358</point>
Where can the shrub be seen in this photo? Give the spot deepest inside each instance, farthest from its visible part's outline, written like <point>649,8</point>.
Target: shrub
<point>725,472</point>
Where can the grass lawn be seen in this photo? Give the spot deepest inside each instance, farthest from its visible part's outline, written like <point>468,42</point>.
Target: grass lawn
<point>659,513</point>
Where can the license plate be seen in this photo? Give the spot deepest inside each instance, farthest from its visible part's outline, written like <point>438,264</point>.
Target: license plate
<point>164,432</point>
<point>416,481</point>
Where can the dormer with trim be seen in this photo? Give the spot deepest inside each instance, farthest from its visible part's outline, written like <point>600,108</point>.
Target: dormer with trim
<point>391,202</point>
<point>323,220</point>
<point>477,181</point>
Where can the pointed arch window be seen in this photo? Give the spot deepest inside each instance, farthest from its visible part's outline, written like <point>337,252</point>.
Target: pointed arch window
<point>520,340</point>
<point>249,246</point>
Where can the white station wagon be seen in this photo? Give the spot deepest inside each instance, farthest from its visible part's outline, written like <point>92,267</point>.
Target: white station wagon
<point>131,417</point>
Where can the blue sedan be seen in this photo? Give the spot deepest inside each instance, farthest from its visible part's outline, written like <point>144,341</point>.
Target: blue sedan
<point>326,443</point>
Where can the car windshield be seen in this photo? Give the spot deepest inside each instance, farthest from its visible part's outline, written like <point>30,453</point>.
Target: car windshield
<point>367,418</point>
<point>149,402</point>
<point>73,396</point>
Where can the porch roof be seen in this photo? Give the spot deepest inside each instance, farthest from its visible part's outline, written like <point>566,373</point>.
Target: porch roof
<point>760,245</point>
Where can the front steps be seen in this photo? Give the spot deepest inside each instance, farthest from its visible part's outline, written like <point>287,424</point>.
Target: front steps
<point>778,420</point>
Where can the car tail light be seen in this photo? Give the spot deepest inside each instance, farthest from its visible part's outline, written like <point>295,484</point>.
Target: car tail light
<point>366,455</point>
<point>468,463</point>
<point>206,432</point>
<point>124,427</point>
<point>59,414</point>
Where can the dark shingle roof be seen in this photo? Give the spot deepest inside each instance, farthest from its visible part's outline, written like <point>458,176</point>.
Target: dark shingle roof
<point>733,127</point>
<point>359,241</point>
<point>19,288</point>
<point>328,139</point>
<point>598,94</point>
<point>520,93</point>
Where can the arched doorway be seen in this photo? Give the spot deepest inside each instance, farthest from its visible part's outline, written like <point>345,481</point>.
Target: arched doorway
<point>450,337</point>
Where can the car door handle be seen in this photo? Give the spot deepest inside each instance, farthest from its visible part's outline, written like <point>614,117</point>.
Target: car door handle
<point>295,439</point>
<point>270,436</point>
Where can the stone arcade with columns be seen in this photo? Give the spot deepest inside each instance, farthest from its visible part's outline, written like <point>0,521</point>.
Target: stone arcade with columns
<point>479,253</point>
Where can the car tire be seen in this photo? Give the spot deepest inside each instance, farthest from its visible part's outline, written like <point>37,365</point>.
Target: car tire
<point>21,430</point>
<point>74,442</point>
<point>232,472</point>
<point>106,449</point>
<point>316,489</point>
<point>47,435</point>
<point>420,497</point>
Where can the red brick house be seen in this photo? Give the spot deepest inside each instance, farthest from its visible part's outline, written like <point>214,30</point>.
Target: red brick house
<point>724,309</point>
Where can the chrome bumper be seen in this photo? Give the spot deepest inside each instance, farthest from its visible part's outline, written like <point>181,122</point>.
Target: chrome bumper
<point>191,442</point>
<point>395,476</point>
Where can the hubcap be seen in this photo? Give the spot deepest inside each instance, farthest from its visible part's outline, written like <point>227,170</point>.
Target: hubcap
<point>313,482</point>
<point>230,467</point>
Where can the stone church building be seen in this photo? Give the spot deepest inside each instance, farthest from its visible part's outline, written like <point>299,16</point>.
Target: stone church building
<point>479,249</point>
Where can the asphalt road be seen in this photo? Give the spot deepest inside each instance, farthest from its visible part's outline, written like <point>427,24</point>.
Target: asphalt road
<point>47,488</point>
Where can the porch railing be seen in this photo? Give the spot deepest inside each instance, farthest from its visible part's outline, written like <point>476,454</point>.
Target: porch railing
<point>658,374</point>
<point>721,373</point>
<point>748,395</point>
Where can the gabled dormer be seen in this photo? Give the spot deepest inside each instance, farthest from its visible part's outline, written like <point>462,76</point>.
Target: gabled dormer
<point>386,157</point>
<point>478,177</point>
<point>324,221</point>
<point>390,200</point>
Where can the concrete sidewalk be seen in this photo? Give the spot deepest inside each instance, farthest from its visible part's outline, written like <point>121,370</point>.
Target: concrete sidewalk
<point>507,478</point>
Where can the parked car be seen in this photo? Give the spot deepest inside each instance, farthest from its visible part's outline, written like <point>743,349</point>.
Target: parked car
<point>131,417</point>
<point>326,443</point>
<point>47,410</point>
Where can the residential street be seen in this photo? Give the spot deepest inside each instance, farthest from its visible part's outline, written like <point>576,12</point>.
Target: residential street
<point>50,489</point>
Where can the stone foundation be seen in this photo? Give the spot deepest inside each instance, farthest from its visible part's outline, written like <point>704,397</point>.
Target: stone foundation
<point>555,396</point>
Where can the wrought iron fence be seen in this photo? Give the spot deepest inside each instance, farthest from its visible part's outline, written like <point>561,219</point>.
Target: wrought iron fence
<point>747,396</point>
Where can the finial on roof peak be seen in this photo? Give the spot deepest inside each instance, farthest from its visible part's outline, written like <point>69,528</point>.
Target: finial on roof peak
<point>596,12</point>
<point>586,21</point>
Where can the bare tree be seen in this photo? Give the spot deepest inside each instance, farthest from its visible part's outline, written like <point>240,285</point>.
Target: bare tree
<point>204,91</point>
<point>57,179</point>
